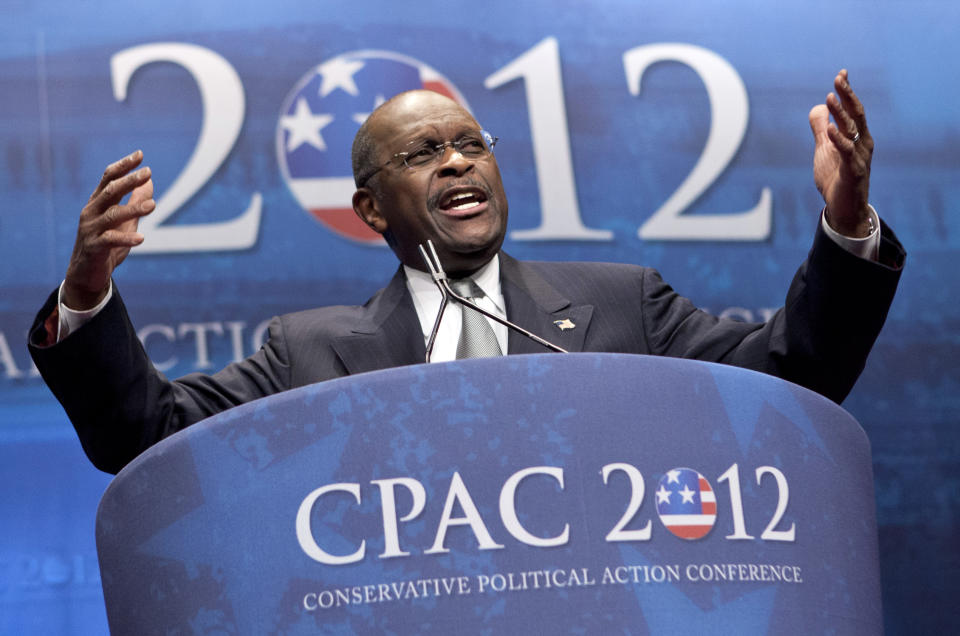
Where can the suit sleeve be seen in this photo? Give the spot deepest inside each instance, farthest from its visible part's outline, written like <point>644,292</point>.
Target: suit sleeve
<point>120,404</point>
<point>820,339</point>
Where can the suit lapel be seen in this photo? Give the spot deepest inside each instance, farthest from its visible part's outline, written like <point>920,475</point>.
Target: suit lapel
<point>535,305</point>
<point>388,336</point>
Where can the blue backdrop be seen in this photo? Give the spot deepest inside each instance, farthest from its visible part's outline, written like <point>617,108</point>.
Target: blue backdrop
<point>629,131</point>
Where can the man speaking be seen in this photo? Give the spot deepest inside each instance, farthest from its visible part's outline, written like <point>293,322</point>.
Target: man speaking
<point>425,170</point>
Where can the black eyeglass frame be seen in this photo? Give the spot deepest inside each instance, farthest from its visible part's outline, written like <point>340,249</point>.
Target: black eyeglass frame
<point>489,141</point>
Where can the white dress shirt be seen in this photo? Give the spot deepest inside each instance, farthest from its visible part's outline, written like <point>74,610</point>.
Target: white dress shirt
<point>426,299</point>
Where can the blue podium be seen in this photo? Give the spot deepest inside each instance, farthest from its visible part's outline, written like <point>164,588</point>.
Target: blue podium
<point>580,493</point>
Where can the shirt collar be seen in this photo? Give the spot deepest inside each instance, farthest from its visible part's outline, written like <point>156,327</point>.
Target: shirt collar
<point>487,278</point>
<point>426,296</point>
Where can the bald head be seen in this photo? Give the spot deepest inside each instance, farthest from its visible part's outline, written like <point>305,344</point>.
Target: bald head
<point>363,155</point>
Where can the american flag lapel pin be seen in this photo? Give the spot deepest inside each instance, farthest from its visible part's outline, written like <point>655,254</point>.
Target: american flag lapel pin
<point>564,324</point>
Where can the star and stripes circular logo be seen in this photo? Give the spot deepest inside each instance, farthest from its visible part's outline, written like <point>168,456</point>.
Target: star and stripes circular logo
<point>320,118</point>
<point>686,503</point>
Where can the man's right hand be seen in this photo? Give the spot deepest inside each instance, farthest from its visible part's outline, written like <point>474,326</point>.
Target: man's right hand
<point>107,230</point>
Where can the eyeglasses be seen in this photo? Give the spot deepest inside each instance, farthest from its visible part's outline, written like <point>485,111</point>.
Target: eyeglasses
<point>469,146</point>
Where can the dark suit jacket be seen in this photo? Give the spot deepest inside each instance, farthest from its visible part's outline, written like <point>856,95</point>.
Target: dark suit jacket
<point>120,404</point>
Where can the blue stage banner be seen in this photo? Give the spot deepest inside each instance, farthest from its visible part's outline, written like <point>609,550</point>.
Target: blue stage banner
<point>671,136</point>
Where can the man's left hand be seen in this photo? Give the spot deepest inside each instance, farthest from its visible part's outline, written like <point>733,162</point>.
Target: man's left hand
<point>841,159</point>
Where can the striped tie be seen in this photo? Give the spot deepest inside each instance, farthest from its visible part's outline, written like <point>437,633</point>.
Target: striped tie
<point>477,339</point>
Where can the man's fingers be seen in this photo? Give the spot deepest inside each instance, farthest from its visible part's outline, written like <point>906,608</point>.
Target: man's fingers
<point>851,103</point>
<point>119,188</point>
<point>847,113</point>
<point>117,215</point>
<point>827,135</point>
<point>142,192</point>
<point>843,120</point>
<point>118,238</point>
<point>117,169</point>
<point>840,140</point>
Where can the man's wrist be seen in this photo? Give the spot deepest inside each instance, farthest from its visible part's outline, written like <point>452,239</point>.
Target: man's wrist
<point>79,298</point>
<point>73,319</point>
<point>867,247</point>
<point>858,229</point>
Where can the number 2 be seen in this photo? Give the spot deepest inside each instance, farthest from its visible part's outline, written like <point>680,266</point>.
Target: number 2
<point>636,499</point>
<point>221,92</point>
<point>729,112</point>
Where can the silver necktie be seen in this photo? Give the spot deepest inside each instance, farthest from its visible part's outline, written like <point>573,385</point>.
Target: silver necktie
<point>477,339</point>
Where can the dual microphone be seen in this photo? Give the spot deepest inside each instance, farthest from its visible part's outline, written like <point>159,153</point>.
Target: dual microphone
<point>432,260</point>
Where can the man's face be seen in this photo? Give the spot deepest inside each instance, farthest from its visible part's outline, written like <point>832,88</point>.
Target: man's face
<point>457,202</point>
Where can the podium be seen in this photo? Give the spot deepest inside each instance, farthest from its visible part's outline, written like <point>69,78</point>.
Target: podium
<point>579,493</point>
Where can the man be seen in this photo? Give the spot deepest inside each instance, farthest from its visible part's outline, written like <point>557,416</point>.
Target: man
<point>424,170</point>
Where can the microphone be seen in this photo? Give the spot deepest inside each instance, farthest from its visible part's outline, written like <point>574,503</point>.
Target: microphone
<point>435,268</point>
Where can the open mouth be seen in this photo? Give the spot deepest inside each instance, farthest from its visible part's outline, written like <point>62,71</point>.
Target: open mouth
<point>463,199</point>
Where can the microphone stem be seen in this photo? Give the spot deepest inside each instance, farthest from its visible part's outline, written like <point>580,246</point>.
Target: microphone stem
<point>435,268</point>
<point>436,326</point>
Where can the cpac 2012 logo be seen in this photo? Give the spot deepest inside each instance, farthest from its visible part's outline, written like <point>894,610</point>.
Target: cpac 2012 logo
<point>320,118</point>
<point>685,501</point>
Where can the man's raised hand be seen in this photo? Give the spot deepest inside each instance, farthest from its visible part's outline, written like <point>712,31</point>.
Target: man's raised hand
<point>107,230</point>
<point>841,159</point>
